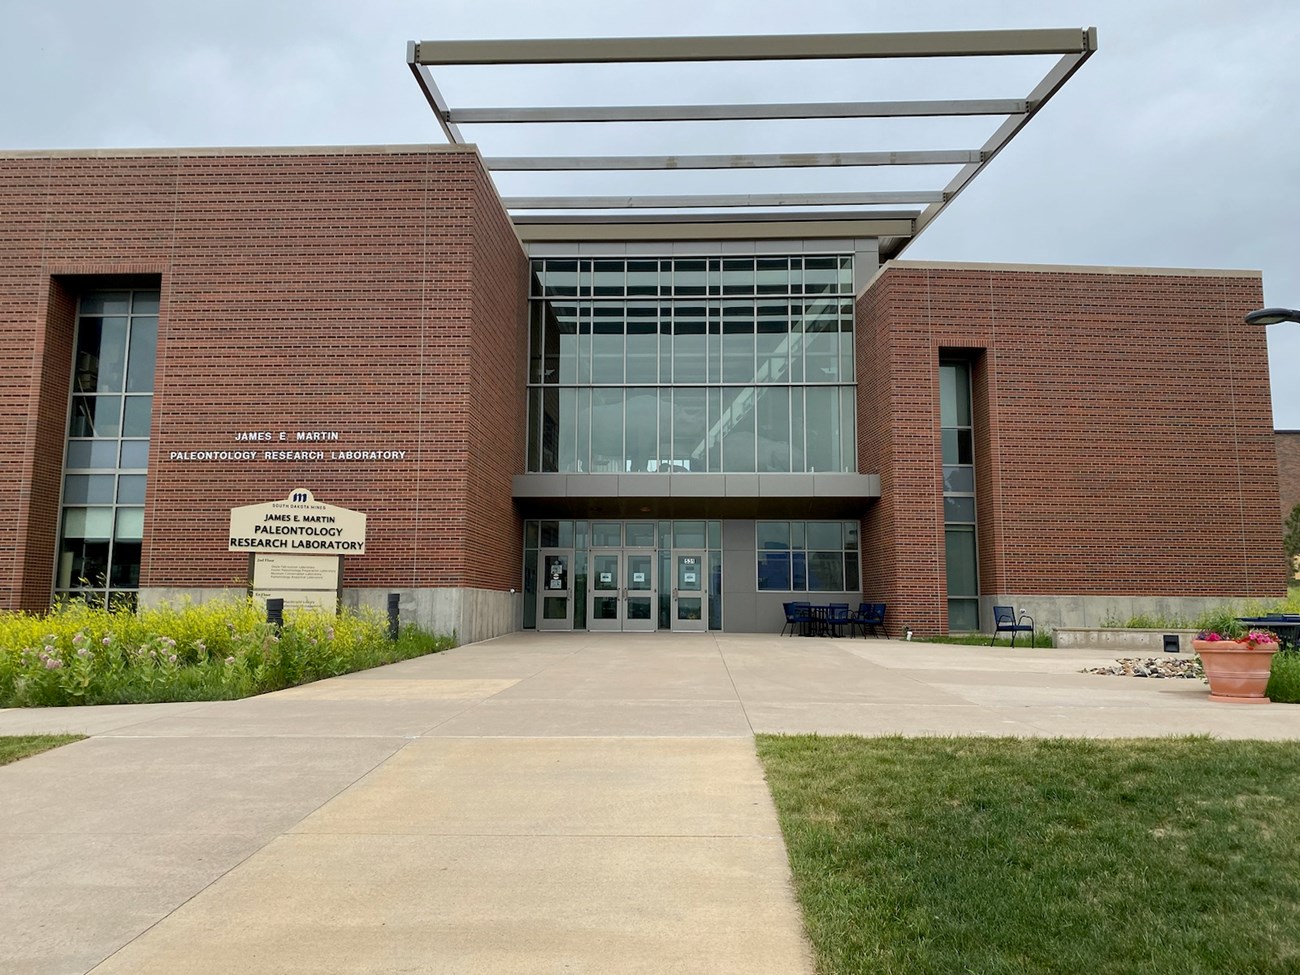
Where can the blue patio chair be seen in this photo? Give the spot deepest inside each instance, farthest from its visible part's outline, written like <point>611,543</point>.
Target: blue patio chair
<point>838,617</point>
<point>1005,620</point>
<point>870,616</point>
<point>792,617</point>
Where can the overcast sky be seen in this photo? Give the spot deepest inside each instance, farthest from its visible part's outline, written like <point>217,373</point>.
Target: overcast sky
<point>1176,145</point>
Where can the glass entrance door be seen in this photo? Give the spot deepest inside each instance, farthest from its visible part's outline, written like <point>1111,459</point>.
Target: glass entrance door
<point>640,605</point>
<point>605,591</point>
<point>555,580</point>
<point>690,610</point>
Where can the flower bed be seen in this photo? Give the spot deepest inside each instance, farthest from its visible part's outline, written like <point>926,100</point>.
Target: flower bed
<point>78,655</point>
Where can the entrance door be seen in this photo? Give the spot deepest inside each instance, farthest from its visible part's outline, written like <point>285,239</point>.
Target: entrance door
<point>690,594</point>
<point>605,591</point>
<point>555,588</point>
<point>640,604</point>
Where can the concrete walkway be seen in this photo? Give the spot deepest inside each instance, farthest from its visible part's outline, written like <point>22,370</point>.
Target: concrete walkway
<point>536,803</point>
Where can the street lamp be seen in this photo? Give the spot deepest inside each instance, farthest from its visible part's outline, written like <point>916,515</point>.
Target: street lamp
<point>1271,316</point>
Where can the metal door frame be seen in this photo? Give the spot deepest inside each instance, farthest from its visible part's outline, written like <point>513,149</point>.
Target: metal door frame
<point>542,592</point>
<point>651,623</point>
<point>702,624</point>
<point>598,625</point>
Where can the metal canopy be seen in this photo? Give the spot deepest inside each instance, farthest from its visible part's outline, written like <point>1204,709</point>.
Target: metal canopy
<point>613,217</point>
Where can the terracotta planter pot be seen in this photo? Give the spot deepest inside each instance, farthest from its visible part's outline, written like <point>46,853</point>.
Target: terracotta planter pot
<point>1237,672</point>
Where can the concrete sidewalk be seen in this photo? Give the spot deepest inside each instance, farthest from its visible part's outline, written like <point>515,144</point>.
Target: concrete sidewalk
<point>536,803</point>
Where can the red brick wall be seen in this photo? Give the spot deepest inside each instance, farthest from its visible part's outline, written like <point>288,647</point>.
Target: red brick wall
<point>301,290</point>
<point>1288,469</point>
<point>1123,433</point>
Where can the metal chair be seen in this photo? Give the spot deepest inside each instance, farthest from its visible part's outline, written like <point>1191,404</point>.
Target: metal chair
<point>838,617</point>
<point>1005,620</point>
<point>870,616</point>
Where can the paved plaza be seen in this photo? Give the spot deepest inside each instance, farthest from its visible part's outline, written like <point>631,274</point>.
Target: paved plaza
<point>535,803</point>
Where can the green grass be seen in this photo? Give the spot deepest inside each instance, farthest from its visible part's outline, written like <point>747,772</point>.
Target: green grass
<point>75,654</point>
<point>1051,857</point>
<point>975,640</point>
<point>14,747</point>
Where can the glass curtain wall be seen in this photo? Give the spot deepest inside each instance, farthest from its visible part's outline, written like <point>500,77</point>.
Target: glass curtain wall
<point>959,497</point>
<point>692,365</point>
<point>107,454</point>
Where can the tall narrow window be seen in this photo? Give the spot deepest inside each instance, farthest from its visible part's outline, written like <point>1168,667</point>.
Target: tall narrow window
<point>959,497</point>
<point>107,456</point>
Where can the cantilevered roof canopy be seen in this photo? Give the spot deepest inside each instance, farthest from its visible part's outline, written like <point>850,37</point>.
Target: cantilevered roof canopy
<point>858,213</point>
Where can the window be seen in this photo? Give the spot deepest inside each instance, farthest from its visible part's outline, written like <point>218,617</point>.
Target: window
<point>692,365</point>
<point>962,557</point>
<point>107,457</point>
<point>807,556</point>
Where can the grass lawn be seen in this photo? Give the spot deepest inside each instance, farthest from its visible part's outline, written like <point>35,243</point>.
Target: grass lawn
<point>15,747</point>
<point>979,855</point>
<point>1041,639</point>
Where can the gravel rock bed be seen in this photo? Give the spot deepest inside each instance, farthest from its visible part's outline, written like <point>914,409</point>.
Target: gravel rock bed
<point>1176,667</point>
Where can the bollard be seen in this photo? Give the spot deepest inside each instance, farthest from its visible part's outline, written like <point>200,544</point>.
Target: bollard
<point>394,613</point>
<point>275,613</point>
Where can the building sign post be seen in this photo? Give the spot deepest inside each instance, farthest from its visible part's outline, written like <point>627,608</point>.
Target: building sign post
<point>297,547</point>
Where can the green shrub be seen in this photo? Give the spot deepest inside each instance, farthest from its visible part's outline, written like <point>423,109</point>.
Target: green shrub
<point>75,654</point>
<point>1284,681</point>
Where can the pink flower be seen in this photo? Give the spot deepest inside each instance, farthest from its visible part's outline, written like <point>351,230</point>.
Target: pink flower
<point>52,663</point>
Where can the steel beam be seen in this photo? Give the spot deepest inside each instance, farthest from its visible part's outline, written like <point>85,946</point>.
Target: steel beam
<point>790,160</point>
<point>424,78</point>
<point>718,113</point>
<point>773,47</point>
<point>721,200</point>
<point>672,230</point>
<point>1059,74</point>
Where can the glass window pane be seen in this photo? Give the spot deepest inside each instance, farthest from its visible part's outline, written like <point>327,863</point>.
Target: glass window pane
<point>550,534</point>
<point>851,583</point>
<point>144,303</point>
<point>797,534</point>
<point>772,535</point>
<point>640,534</point>
<point>738,439</point>
<point>130,524</point>
<point>88,489</point>
<point>135,454</point>
<point>561,278</point>
<point>825,534</point>
<point>568,443</point>
<point>144,345</point>
<point>607,431</point>
<point>607,344</point>
<point>534,430</point>
<point>825,571</point>
<point>106,303</point>
<point>583,446</point>
<point>606,534</point>
<point>688,277</point>
<point>609,279</point>
<point>963,615</point>
<point>715,534</point>
<point>738,276</point>
<point>95,416</point>
<point>799,571</point>
<point>88,523</point>
<point>959,509</point>
<point>851,535</point>
<point>714,430</point>
<point>773,571</point>
<point>773,433</point>
<point>690,345</point>
<point>136,415</point>
<point>642,348</point>
<point>642,277</point>
<point>125,572</point>
<point>821,275</point>
<point>688,534</point>
<point>848,424</point>
<point>957,446</point>
<point>92,454</point>
<point>963,579</point>
<point>773,275</point>
<point>690,429</point>
<point>738,343</point>
<point>958,480</point>
<point>823,421</point>
<point>642,430</point>
<point>846,356</point>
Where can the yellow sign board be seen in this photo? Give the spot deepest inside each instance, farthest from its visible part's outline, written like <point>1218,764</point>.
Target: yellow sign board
<point>298,525</point>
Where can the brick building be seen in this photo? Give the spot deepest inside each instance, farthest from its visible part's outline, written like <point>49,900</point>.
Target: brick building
<point>644,426</point>
<point>1288,469</point>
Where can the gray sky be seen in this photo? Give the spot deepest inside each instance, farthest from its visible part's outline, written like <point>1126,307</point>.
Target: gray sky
<point>1176,145</point>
